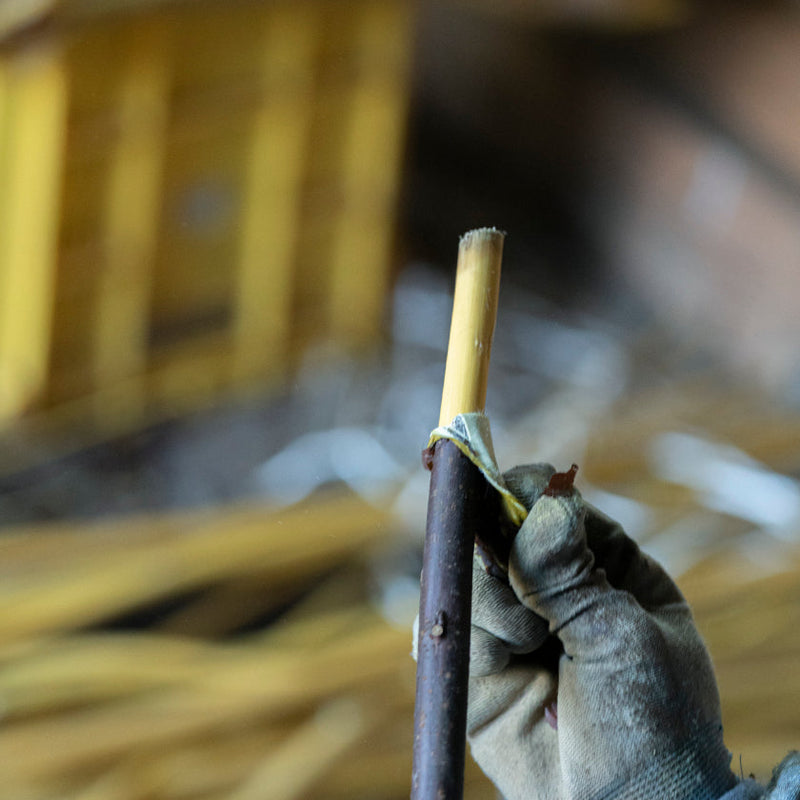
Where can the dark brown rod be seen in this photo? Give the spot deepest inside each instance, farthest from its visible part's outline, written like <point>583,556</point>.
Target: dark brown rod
<point>455,505</point>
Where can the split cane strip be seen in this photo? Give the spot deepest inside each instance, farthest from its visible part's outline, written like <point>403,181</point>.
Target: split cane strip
<point>455,501</point>
<point>472,325</point>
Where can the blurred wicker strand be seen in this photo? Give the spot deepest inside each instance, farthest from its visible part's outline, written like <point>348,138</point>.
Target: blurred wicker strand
<point>200,767</point>
<point>61,592</point>
<point>86,668</point>
<point>188,695</point>
<point>309,751</point>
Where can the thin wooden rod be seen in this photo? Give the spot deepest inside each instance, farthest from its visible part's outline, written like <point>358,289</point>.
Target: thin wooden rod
<point>456,504</point>
<point>466,373</point>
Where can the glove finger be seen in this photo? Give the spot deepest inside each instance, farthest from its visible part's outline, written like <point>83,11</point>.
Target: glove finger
<point>550,550</point>
<point>528,482</point>
<point>551,570</point>
<point>626,566</point>
<point>497,611</point>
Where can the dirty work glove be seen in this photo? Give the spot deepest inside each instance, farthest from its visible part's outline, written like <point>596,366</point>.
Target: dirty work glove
<point>588,678</point>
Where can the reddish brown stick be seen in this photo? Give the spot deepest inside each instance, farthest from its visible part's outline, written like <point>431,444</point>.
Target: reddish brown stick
<point>457,500</point>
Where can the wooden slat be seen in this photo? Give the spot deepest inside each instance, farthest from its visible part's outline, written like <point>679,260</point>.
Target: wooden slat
<point>370,162</point>
<point>32,119</point>
<point>271,216</point>
<point>131,217</point>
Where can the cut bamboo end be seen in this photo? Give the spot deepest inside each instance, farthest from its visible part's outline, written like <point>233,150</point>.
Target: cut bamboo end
<point>466,373</point>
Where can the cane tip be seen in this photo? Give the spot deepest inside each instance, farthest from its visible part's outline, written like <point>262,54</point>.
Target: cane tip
<point>478,235</point>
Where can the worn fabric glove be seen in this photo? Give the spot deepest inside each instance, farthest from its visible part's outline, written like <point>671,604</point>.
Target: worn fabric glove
<point>588,678</point>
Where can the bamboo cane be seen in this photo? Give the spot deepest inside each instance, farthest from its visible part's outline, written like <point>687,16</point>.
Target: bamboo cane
<point>456,497</point>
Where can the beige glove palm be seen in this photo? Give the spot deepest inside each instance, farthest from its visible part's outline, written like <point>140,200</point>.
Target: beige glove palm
<point>588,678</point>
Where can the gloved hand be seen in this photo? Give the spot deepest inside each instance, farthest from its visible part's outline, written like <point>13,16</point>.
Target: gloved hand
<point>588,678</point>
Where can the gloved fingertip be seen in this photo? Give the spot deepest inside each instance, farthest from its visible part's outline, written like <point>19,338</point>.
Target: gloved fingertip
<point>528,482</point>
<point>550,546</point>
<point>561,513</point>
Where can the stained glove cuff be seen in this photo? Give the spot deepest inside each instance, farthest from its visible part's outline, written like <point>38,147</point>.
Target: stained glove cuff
<point>746,790</point>
<point>785,783</point>
<point>699,770</point>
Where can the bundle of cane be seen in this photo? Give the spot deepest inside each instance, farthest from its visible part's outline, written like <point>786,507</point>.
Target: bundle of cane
<point>204,699</point>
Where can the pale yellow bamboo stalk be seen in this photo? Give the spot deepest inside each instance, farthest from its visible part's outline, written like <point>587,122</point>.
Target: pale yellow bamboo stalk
<point>92,667</point>
<point>228,606</point>
<point>247,689</point>
<point>218,767</point>
<point>385,772</point>
<point>330,602</point>
<point>308,751</point>
<point>197,768</point>
<point>235,602</point>
<point>288,546</point>
<point>712,584</point>
<point>472,326</point>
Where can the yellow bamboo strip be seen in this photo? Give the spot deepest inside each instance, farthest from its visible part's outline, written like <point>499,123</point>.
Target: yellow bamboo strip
<point>309,751</point>
<point>270,224</point>
<point>382,775</point>
<point>83,669</point>
<point>94,668</point>
<point>31,153</point>
<point>228,606</point>
<point>289,545</point>
<point>712,584</point>
<point>472,326</point>
<point>219,767</point>
<point>344,589</point>
<point>757,688</point>
<point>247,689</point>
<point>40,547</point>
<point>235,671</point>
<point>131,218</point>
<point>47,675</point>
<point>197,768</point>
<point>187,375</point>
